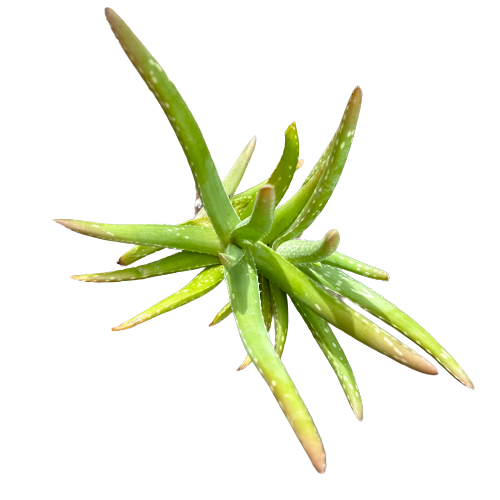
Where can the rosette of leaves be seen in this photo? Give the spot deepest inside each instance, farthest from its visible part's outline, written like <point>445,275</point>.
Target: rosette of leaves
<point>252,242</point>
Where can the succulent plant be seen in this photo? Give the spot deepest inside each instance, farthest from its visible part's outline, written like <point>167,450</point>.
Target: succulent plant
<point>254,244</point>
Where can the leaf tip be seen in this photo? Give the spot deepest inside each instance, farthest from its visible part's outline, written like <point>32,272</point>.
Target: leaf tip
<point>466,381</point>
<point>320,465</point>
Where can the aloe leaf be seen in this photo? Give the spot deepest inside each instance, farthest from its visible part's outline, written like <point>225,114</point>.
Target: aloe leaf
<point>267,312</point>
<point>231,256</point>
<point>374,303</point>
<point>245,300</point>
<point>284,216</point>
<point>208,183</point>
<point>283,173</point>
<point>333,169</point>
<point>182,261</point>
<point>222,314</point>
<point>300,251</point>
<point>260,222</point>
<point>190,238</point>
<point>203,283</point>
<point>137,253</point>
<point>233,178</point>
<point>290,210</point>
<point>321,162</point>
<point>200,222</point>
<point>330,346</point>
<point>241,200</point>
<point>355,266</point>
<point>140,251</point>
<point>280,313</point>
<point>300,287</point>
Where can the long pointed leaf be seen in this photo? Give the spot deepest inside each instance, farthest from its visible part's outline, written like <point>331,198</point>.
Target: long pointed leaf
<point>334,165</point>
<point>374,303</point>
<point>203,283</point>
<point>320,163</point>
<point>208,183</point>
<point>233,178</point>
<point>296,284</point>
<point>245,300</point>
<point>182,261</point>
<point>330,346</point>
<point>355,266</point>
<point>222,314</point>
<point>290,210</point>
<point>190,238</point>
<point>267,312</point>
<point>283,173</point>
<point>280,313</point>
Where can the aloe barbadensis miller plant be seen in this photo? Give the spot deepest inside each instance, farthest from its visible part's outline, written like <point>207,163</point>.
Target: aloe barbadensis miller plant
<point>252,243</point>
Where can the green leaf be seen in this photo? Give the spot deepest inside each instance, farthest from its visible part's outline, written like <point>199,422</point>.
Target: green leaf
<point>330,346</point>
<point>267,312</point>
<point>374,303</point>
<point>322,161</point>
<point>245,300</point>
<point>300,251</point>
<point>334,165</point>
<point>231,256</point>
<point>137,253</point>
<point>208,183</point>
<point>355,266</point>
<point>182,261</point>
<point>296,284</point>
<point>280,312</point>
<point>203,283</point>
<point>260,222</point>
<point>222,314</point>
<point>233,178</point>
<point>290,210</point>
<point>190,238</point>
<point>283,173</point>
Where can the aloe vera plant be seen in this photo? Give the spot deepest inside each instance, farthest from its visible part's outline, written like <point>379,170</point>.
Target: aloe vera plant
<point>253,242</point>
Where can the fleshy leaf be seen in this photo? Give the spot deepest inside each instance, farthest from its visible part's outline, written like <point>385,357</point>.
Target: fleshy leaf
<point>355,266</point>
<point>233,178</point>
<point>182,261</point>
<point>207,181</point>
<point>322,160</point>
<point>260,222</point>
<point>374,303</point>
<point>245,300</point>
<point>296,284</point>
<point>203,283</point>
<point>231,256</point>
<point>300,251</point>
<point>280,313</point>
<point>190,238</point>
<point>333,169</point>
<point>137,253</point>
<point>267,312</point>
<point>290,210</point>
<point>330,346</point>
<point>140,251</point>
<point>283,174</point>
<point>222,314</point>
